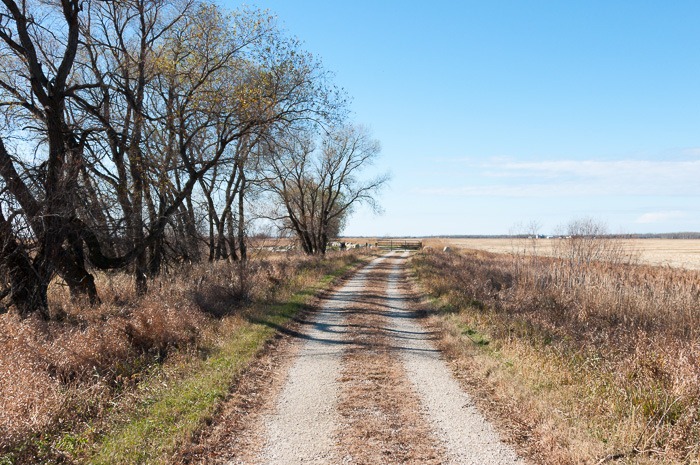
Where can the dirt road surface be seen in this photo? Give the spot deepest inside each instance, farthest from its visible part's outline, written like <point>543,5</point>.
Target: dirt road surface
<point>359,382</point>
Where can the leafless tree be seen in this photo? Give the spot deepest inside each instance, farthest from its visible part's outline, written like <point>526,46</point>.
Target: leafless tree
<point>40,197</point>
<point>294,92</point>
<point>114,114</point>
<point>318,187</point>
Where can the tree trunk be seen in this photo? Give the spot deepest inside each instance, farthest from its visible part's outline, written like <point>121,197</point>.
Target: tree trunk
<point>231,237</point>
<point>28,291</point>
<point>212,251</point>
<point>242,247</point>
<point>157,250</point>
<point>191,229</point>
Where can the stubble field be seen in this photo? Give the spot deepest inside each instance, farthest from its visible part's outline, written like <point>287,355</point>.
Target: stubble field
<point>677,253</point>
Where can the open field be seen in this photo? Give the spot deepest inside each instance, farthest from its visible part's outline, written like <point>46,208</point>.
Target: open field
<point>680,253</point>
<point>677,253</point>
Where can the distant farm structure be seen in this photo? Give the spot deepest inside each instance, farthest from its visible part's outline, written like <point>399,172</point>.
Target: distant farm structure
<point>391,244</point>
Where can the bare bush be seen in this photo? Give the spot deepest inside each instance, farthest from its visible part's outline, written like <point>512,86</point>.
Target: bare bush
<point>585,241</point>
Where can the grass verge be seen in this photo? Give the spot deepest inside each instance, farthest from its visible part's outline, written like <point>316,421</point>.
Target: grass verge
<point>170,418</point>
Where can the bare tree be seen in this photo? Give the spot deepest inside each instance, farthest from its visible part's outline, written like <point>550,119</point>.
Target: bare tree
<point>211,81</point>
<point>118,118</point>
<point>317,188</point>
<point>39,237</point>
<point>291,91</point>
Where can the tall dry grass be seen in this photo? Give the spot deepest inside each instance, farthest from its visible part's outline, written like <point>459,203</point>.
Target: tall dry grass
<point>613,346</point>
<point>56,375</point>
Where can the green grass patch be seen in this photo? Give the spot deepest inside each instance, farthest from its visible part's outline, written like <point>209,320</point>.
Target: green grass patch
<point>169,420</point>
<point>476,337</point>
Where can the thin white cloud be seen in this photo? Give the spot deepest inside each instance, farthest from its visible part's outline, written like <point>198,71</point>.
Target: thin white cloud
<point>596,169</point>
<point>691,152</point>
<point>661,217</point>
<point>577,178</point>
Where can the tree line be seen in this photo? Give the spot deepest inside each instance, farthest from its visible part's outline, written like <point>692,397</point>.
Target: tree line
<point>135,134</point>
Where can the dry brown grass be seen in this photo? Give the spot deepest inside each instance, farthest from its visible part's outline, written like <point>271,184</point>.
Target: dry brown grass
<point>590,361</point>
<point>55,376</point>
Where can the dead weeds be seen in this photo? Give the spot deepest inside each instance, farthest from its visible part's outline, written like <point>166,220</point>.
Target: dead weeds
<point>582,364</point>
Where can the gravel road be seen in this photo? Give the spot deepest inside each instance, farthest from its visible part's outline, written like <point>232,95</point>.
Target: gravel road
<point>308,423</point>
<point>302,428</point>
<point>467,436</point>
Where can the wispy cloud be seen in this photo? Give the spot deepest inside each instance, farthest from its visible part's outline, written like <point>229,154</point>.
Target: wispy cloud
<point>661,217</point>
<point>691,152</point>
<point>576,178</point>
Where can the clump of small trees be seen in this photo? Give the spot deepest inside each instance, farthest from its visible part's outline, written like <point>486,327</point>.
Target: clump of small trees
<point>132,132</point>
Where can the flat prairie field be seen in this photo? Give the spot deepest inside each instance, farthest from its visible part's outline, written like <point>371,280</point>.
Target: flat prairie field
<point>677,253</point>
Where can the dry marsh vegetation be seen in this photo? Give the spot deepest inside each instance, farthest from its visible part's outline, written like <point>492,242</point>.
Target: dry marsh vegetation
<point>63,383</point>
<point>593,361</point>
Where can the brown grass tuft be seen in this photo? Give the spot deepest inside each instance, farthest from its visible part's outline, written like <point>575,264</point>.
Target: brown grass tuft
<point>601,358</point>
<point>55,376</point>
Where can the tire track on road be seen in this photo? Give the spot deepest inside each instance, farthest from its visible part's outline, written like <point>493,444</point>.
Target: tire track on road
<point>468,437</point>
<point>302,429</point>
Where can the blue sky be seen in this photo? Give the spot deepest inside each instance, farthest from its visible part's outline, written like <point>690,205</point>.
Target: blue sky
<point>494,113</point>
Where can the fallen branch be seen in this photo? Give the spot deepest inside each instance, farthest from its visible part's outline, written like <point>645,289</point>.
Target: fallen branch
<point>611,457</point>
<point>631,453</point>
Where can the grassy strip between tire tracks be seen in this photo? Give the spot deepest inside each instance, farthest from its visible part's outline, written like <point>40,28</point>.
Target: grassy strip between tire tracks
<point>172,416</point>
